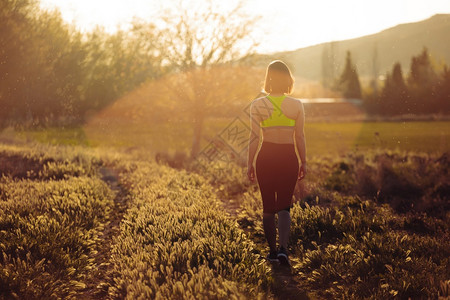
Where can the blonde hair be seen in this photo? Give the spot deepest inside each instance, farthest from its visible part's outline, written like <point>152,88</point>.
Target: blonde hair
<point>279,78</point>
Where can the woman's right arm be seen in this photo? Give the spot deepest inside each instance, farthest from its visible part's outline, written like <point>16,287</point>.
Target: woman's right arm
<point>253,142</point>
<point>300,140</point>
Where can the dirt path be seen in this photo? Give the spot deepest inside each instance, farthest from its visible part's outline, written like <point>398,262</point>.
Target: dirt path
<point>285,285</point>
<point>96,281</point>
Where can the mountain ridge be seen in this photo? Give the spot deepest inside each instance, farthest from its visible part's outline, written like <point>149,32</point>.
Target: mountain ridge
<point>395,44</point>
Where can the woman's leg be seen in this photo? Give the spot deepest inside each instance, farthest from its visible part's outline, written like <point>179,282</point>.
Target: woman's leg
<point>285,185</point>
<point>284,199</point>
<point>270,230</point>
<point>284,227</point>
<point>269,209</point>
<point>264,173</point>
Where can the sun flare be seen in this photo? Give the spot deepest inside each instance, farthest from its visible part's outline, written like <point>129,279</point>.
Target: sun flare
<point>290,25</point>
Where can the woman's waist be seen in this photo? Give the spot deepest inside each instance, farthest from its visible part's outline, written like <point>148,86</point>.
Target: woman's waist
<point>278,136</point>
<point>277,147</point>
<point>278,144</point>
<point>280,140</point>
<point>277,154</point>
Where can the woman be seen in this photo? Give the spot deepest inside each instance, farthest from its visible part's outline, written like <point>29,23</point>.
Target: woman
<point>280,119</point>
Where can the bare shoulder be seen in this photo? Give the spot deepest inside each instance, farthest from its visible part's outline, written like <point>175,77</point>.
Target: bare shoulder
<point>258,102</point>
<point>293,104</point>
<point>294,100</point>
<point>261,108</point>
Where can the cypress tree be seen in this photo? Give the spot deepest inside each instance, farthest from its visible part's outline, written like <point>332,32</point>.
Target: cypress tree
<point>349,81</point>
<point>443,92</point>
<point>394,98</point>
<point>421,83</point>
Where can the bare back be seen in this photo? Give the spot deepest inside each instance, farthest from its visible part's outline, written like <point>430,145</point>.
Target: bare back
<point>292,108</point>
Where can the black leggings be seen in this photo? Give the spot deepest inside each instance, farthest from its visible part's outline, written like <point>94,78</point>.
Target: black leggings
<point>277,172</point>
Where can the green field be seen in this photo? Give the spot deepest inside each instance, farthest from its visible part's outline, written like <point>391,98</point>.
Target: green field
<point>431,137</point>
<point>86,213</point>
<point>95,223</point>
<point>322,138</point>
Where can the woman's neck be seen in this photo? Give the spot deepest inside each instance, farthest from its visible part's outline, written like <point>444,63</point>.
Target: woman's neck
<point>277,94</point>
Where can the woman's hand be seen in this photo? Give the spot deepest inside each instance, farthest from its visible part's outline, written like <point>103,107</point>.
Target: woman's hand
<point>302,172</point>
<point>251,173</point>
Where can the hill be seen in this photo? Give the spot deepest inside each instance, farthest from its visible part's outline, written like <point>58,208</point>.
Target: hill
<point>396,44</point>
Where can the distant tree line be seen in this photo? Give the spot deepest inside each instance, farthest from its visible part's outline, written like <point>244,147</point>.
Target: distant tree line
<point>51,74</point>
<point>423,91</point>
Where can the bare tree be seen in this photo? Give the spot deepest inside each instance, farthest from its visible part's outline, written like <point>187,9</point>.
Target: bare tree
<point>197,43</point>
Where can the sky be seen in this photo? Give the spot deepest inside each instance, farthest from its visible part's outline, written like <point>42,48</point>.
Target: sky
<point>284,24</point>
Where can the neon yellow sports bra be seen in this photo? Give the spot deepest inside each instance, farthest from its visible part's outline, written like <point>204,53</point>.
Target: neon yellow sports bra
<point>277,118</point>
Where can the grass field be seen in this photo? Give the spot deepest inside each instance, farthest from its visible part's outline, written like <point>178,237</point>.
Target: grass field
<point>95,223</point>
<point>322,138</point>
<point>432,137</point>
<point>87,213</point>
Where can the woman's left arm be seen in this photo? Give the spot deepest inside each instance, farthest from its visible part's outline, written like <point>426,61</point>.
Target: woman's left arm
<point>253,143</point>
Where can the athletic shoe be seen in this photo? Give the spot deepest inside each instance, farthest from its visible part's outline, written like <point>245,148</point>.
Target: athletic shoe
<point>272,256</point>
<point>283,257</point>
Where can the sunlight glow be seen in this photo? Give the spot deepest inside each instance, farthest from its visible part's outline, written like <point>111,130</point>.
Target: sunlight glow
<point>290,25</point>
